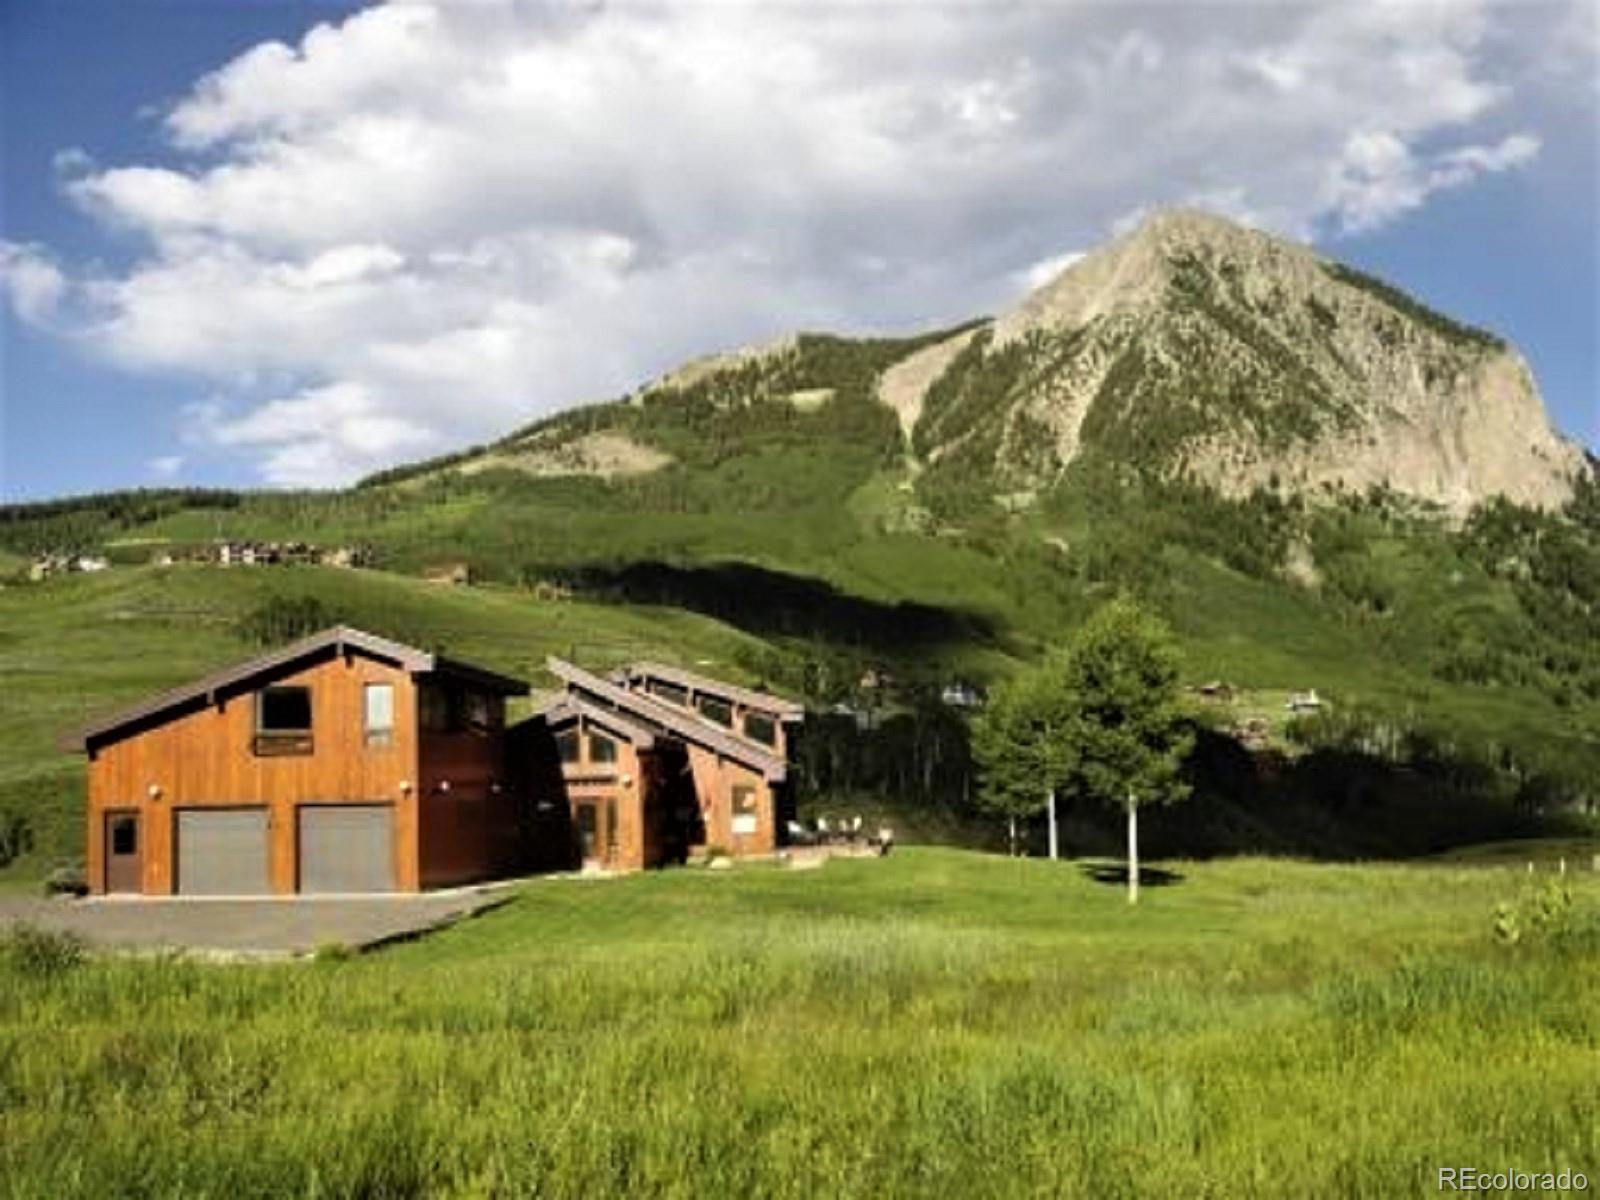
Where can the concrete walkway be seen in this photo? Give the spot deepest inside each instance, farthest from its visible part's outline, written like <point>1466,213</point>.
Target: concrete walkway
<point>255,928</point>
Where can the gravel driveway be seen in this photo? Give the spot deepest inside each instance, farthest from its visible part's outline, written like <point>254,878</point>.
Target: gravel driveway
<point>269,927</point>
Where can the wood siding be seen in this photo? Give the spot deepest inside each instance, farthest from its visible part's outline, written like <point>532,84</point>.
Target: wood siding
<point>715,777</point>
<point>468,829</point>
<point>204,758</point>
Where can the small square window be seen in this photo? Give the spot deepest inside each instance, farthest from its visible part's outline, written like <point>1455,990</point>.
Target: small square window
<point>283,721</point>
<point>761,728</point>
<point>283,710</point>
<point>567,746</point>
<point>124,835</point>
<point>713,709</point>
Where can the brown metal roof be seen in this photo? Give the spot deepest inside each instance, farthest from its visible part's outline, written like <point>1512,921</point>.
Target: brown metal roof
<point>339,639</point>
<point>674,720</point>
<point>786,710</point>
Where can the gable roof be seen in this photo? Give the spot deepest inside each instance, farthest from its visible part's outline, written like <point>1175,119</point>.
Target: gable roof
<point>673,720</point>
<point>569,707</point>
<point>339,640</point>
<point>784,710</point>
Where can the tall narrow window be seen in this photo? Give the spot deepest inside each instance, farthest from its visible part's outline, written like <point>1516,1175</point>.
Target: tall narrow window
<point>378,714</point>
<point>567,746</point>
<point>283,721</point>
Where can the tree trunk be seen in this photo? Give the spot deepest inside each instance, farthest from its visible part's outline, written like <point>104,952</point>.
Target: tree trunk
<point>1133,851</point>
<point>1055,841</point>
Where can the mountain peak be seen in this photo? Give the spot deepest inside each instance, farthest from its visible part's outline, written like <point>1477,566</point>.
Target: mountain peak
<point>1133,272</point>
<point>1195,346</point>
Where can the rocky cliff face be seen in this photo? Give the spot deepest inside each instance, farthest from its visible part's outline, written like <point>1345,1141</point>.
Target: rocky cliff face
<point>1195,347</point>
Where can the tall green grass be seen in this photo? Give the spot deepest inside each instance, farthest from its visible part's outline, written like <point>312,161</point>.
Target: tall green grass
<point>937,1023</point>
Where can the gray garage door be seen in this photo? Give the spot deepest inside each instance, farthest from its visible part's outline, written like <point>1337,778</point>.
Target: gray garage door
<point>222,852</point>
<point>347,848</point>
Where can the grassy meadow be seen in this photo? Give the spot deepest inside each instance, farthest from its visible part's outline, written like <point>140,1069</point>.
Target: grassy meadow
<point>940,1023</point>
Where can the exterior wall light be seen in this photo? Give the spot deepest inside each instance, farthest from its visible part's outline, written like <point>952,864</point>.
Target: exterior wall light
<point>153,791</point>
<point>405,786</point>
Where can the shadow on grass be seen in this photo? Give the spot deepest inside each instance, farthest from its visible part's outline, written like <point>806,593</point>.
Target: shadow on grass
<point>766,602</point>
<point>1117,873</point>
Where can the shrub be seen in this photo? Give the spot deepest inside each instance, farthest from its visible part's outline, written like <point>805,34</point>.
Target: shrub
<point>67,880</point>
<point>16,835</point>
<point>332,952</point>
<point>42,953</point>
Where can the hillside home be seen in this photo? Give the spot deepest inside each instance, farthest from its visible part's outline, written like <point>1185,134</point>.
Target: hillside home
<point>653,764</point>
<point>342,763</point>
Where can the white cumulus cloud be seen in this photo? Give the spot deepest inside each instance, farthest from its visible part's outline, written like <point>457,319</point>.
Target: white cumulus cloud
<point>433,221</point>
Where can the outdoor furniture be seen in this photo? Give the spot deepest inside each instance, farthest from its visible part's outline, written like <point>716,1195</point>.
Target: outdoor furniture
<point>823,833</point>
<point>799,835</point>
<point>855,828</point>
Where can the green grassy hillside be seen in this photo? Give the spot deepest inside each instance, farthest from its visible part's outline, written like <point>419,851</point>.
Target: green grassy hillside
<point>81,645</point>
<point>934,1024</point>
<point>800,541</point>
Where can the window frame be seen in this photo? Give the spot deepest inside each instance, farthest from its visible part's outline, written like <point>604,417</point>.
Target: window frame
<point>594,738</point>
<point>766,719</point>
<point>705,700</point>
<point>277,742</point>
<point>375,735</point>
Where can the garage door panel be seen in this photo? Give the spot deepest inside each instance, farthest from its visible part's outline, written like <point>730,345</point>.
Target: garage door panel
<point>346,848</point>
<point>222,852</point>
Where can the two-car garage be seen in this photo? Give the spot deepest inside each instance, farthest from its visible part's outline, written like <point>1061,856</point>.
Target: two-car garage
<point>339,848</point>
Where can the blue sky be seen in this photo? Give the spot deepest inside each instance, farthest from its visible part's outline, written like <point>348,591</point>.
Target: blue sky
<point>270,243</point>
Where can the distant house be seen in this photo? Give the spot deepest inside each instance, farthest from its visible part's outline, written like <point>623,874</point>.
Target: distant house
<point>342,763</point>
<point>458,574</point>
<point>1304,702</point>
<point>653,764</point>
<point>961,695</point>
<point>344,556</point>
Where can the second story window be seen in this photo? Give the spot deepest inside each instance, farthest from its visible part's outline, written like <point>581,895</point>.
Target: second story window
<point>761,728</point>
<point>378,714</point>
<point>447,709</point>
<point>602,749</point>
<point>672,693</point>
<point>283,721</point>
<point>567,746</point>
<point>715,710</point>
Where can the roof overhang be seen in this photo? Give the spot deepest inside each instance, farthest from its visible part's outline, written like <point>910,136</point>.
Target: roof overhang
<point>602,693</point>
<point>340,640</point>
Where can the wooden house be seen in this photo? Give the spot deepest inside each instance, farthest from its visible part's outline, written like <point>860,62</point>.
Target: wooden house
<point>342,763</point>
<point>651,765</point>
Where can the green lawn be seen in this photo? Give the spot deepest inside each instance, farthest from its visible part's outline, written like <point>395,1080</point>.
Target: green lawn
<point>940,1023</point>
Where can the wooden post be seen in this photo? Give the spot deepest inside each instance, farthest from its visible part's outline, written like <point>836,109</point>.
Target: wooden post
<point>1055,841</point>
<point>1133,851</point>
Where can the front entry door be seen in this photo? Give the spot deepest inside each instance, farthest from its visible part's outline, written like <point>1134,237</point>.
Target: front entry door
<point>124,853</point>
<point>596,819</point>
